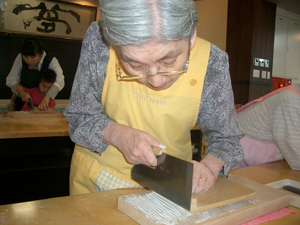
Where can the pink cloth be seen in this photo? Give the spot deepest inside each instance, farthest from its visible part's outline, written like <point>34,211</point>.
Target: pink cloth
<point>270,216</point>
<point>258,152</point>
<point>37,98</point>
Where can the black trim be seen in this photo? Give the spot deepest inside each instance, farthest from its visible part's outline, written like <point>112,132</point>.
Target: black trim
<point>251,82</point>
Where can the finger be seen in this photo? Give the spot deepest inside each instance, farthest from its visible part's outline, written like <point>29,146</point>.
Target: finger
<point>201,178</point>
<point>196,176</point>
<point>154,142</point>
<point>44,107</point>
<point>202,185</point>
<point>132,159</point>
<point>150,157</point>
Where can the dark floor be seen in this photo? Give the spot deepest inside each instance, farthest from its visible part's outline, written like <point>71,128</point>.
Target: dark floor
<point>34,168</point>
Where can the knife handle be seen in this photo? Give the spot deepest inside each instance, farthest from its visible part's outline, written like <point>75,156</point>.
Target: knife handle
<point>158,151</point>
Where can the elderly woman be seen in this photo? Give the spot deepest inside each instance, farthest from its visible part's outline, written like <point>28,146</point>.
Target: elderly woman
<point>145,79</point>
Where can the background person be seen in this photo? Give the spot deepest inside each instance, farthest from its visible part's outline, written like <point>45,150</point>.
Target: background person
<point>46,80</point>
<point>271,125</point>
<point>144,80</point>
<point>24,73</point>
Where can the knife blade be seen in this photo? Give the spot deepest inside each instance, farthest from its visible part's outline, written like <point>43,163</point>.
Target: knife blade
<point>171,178</point>
<point>30,103</point>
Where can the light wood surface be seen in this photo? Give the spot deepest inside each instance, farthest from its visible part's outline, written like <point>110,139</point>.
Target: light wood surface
<point>101,207</point>
<point>268,173</point>
<point>224,192</point>
<point>33,127</point>
<point>36,113</point>
<point>265,200</point>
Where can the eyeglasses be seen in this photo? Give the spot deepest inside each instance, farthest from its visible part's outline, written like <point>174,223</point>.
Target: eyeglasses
<point>135,77</point>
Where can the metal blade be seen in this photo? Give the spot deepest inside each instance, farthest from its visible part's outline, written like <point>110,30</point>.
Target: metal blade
<point>30,104</point>
<point>171,178</point>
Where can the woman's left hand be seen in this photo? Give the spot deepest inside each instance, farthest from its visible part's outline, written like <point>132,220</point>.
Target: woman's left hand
<point>205,173</point>
<point>45,103</point>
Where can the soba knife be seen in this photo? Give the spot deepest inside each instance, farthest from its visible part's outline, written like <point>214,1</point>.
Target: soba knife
<point>171,178</point>
<point>30,104</point>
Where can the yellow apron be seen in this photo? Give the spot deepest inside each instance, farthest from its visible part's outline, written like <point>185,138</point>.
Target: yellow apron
<point>167,115</point>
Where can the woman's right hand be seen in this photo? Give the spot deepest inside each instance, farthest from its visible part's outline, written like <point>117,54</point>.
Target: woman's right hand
<point>136,145</point>
<point>22,92</point>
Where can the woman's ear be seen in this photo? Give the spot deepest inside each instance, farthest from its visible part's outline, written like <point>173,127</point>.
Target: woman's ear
<point>193,40</point>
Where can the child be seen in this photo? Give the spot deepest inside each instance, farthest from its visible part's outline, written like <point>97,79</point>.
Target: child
<point>46,80</point>
<point>24,73</point>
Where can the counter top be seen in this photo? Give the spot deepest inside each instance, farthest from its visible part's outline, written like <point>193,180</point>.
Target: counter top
<point>33,127</point>
<point>101,207</point>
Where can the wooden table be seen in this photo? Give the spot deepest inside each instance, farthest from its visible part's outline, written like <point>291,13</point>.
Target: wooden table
<point>29,127</point>
<point>268,173</point>
<point>101,207</point>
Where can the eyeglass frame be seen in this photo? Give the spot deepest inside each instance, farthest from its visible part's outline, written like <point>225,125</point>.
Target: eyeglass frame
<point>136,77</point>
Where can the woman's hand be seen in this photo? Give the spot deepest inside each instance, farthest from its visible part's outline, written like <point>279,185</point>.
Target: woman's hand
<point>205,173</point>
<point>22,92</point>
<point>44,105</point>
<point>135,145</point>
<point>25,96</point>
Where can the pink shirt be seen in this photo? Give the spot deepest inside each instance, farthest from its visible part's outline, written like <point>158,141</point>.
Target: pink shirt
<point>37,98</point>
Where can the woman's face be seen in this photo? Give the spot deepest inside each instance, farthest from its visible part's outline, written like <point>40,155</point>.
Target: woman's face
<point>157,57</point>
<point>33,61</point>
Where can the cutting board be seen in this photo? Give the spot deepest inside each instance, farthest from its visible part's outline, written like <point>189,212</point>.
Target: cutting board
<point>34,114</point>
<point>224,192</point>
<point>265,200</point>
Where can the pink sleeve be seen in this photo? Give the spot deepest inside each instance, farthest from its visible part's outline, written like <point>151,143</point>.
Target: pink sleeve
<point>52,104</point>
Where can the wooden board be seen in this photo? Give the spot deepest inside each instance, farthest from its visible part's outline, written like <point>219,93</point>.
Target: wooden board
<point>224,192</point>
<point>34,114</point>
<point>295,198</point>
<point>264,201</point>
<point>33,127</point>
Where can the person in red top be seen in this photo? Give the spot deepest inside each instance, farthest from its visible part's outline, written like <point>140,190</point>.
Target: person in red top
<point>46,80</point>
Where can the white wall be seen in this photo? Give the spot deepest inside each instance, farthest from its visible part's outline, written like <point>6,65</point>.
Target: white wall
<point>295,17</point>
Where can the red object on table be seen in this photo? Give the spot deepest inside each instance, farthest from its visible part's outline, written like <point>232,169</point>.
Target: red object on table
<point>279,82</point>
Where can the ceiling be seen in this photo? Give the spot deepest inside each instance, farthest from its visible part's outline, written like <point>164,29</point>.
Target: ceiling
<point>289,5</point>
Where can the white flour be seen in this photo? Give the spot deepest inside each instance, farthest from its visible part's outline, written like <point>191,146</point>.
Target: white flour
<point>160,210</point>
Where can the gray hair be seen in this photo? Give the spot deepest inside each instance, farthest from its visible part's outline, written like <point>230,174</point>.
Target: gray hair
<point>136,22</point>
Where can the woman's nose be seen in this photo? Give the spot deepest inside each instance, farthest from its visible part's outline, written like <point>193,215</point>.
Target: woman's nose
<point>156,80</point>
<point>154,70</point>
